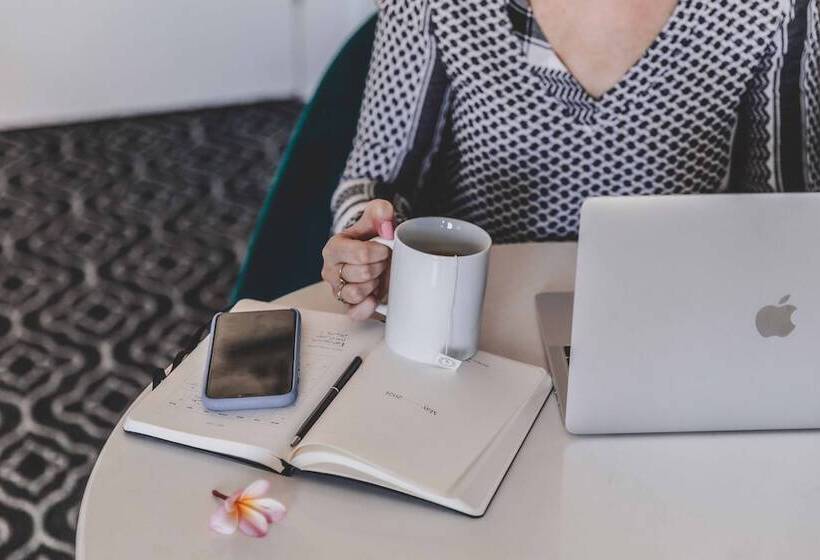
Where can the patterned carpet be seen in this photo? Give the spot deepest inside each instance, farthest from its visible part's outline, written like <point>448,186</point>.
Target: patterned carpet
<point>118,239</point>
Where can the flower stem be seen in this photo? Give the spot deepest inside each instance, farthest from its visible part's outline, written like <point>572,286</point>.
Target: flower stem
<point>219,494</point>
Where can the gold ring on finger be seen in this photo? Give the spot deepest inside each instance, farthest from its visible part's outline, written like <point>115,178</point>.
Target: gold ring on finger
<point>342,284</point>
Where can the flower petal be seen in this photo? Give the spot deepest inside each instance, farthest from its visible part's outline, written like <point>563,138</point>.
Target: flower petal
<point>252,522</point>
<point>256,489</point>
<point>230,503</point>
<point>224,520</point>
<point>273,510</point>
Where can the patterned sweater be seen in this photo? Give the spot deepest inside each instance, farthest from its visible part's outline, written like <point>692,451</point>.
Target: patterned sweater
<point>469,113</point>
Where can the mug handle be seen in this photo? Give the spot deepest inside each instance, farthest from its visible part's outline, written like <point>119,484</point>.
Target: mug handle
<point>382,307</point>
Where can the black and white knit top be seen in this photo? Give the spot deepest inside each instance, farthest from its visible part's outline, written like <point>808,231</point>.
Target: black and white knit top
<point>468,113</point>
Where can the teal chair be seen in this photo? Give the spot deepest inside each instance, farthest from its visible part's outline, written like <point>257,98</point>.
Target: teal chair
<point>284,253</point>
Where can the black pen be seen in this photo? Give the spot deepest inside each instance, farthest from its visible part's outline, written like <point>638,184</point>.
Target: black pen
<point>331,394</point>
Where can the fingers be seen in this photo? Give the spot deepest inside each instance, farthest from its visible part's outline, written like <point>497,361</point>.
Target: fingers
<point>354,294</point>
<point>355,273</point>
<point>363,310</point>
<point>342,249</point>
<point>376,213</point>
<point>365,263</point>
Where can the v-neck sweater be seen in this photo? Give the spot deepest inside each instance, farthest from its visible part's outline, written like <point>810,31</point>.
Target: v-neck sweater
<point>467,113</point>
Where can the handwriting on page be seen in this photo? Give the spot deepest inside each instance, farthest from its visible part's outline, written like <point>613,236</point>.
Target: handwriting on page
<point>189,400</point>
<point>328,340</point>
<point>426,408</point>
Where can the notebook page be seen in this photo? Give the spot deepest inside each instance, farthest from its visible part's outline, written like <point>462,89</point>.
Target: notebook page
<point>420,423</point>
<point>479,484</point>
<point>328,344</point>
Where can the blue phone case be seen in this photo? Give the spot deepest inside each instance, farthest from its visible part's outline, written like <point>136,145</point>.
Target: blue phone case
<point>245,403</point>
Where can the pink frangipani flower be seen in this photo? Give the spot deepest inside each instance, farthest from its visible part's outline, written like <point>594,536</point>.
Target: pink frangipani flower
<point>247,509</point>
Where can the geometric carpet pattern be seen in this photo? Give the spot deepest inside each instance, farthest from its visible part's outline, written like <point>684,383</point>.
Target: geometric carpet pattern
<point>117,240</point>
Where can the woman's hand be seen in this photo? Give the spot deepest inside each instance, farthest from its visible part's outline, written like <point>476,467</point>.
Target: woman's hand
<point>363,264</point>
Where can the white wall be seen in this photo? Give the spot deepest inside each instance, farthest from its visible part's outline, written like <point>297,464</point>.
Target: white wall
<point>323,26</point>
<point>69,60</point>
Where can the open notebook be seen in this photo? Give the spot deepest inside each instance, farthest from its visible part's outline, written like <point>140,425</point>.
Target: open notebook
<point>442,436</point>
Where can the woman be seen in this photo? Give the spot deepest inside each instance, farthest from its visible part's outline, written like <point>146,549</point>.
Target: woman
<point>509,113</point>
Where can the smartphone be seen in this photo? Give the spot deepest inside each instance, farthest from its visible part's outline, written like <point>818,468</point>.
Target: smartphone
<point>253,360</point>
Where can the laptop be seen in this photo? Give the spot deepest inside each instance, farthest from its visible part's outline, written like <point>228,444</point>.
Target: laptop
<point>690,313</point>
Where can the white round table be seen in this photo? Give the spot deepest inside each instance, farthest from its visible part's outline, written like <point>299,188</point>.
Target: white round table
<point>744,496</point>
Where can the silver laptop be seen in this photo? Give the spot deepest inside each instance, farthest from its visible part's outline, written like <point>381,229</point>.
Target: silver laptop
<point>690,313</point>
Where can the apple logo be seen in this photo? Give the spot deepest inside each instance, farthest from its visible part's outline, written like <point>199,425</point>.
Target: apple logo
<point>776,320</point>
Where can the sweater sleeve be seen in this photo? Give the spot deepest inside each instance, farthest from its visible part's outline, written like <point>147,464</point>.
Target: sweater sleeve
<point>402,115</point>
<point>777,140</point>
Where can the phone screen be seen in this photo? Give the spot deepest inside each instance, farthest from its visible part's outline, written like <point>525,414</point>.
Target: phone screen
<point>252,354</point>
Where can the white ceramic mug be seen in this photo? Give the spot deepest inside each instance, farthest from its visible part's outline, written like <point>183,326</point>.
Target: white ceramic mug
<point>437,278</point>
